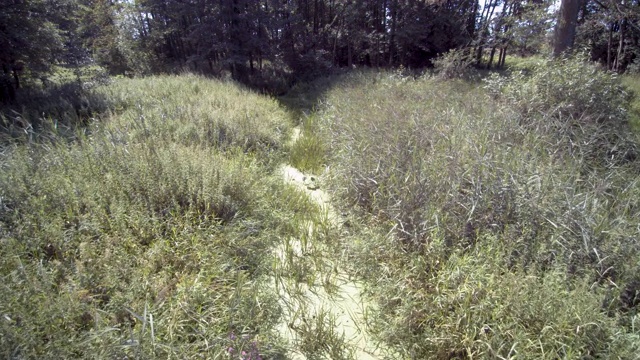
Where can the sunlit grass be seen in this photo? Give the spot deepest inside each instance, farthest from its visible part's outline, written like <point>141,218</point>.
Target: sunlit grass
<point>489,231</point>
<point>308,152</point>
<point>149,234</point>
<point>147,218</point>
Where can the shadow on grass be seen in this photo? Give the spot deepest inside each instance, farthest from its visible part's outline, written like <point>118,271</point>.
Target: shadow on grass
<point>306,97</point>
<point>58,110</point>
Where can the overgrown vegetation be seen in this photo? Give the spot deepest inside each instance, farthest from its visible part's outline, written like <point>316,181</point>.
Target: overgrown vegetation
<point>308,152</point>
<point>499,220</point>
<point>149,234</point>
<point>146,217</point>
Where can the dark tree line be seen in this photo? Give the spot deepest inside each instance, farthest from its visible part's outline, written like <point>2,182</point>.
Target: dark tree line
<point>259,40</point>
<point>303,36</point>
<point>610,29</point>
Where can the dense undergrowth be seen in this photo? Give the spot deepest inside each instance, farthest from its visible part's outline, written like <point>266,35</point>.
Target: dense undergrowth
<point>490,220</point>
<point>146,234</point>
<point>500,219</point>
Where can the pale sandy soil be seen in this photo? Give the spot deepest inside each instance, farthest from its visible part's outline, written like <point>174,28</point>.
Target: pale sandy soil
<point>342,304</point>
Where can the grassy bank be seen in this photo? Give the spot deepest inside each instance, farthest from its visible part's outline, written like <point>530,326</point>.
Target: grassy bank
<point>499,221</point>
<point>146,234</point>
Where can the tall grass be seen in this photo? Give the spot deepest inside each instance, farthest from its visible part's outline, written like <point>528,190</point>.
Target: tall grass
<point>196,113</point>
<point>308,152</point>
<point>149,234</point>
<point>49,108</point>
<point>501,221</point>
<point>632,82</point>
<point>490,221</point>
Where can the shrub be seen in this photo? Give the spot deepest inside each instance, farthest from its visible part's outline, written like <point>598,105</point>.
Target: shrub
<point>565,88</point>
<point>188,109</point>
<point>582,109</point>
<point>453,64</point>
<point>475,306</point>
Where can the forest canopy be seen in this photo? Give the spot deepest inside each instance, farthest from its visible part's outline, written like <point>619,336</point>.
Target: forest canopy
<point>258,42</point>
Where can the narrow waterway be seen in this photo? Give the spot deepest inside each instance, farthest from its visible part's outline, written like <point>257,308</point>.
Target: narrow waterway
<point>330,309</point>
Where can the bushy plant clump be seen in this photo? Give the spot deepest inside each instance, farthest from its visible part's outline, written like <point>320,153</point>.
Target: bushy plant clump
<point>454,64</point>
<point>148,235</point>
<point>491,234</point>
<point>565,88</point>
<point>575,103</point>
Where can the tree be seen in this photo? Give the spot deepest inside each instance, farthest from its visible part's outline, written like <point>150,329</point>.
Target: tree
<point>30,41</point>
<point>97,31</point>
<point>565,31</point>
<point>610,30</point>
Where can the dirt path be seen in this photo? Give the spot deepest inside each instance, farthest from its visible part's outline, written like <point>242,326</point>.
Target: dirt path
<point>330,310</point>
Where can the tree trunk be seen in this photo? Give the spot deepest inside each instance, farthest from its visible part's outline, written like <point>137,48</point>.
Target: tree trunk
<point>565,31</point>
<point>335,50</point>
<point>503,57</point>
<point>471,21</point>
<point>493,53</point>
<point>620,56</point>
<point>609,42</point>
<point>485,20</point>
<point>394,14</point>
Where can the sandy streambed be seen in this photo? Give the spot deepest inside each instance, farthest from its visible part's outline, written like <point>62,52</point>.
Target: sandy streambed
<point>331,298</point>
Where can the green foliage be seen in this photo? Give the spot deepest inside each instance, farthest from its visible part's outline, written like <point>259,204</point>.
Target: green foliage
<point>109,229</point>
<point>453,64</point>
<point>476,305</point>
<point>60,110</point>
<point>577,103</point>
<point>137,52</point>
<point>146,236</point>
<point>30,34</point>
<point>503,236</point>
<point>99,33</point>
<point>308,153</point>
<point>487,222</point>
<point>609,34</point>
<point>188,110</point>
<point>524,64</point>
<point>35,35</point>
<point>566,88</point>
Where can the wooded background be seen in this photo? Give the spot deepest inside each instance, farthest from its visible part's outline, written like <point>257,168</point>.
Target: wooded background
<point>257,41</point>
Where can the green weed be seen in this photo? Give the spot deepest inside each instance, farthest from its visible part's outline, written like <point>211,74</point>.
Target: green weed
<point>308,153</point>
<point>494,221</point>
